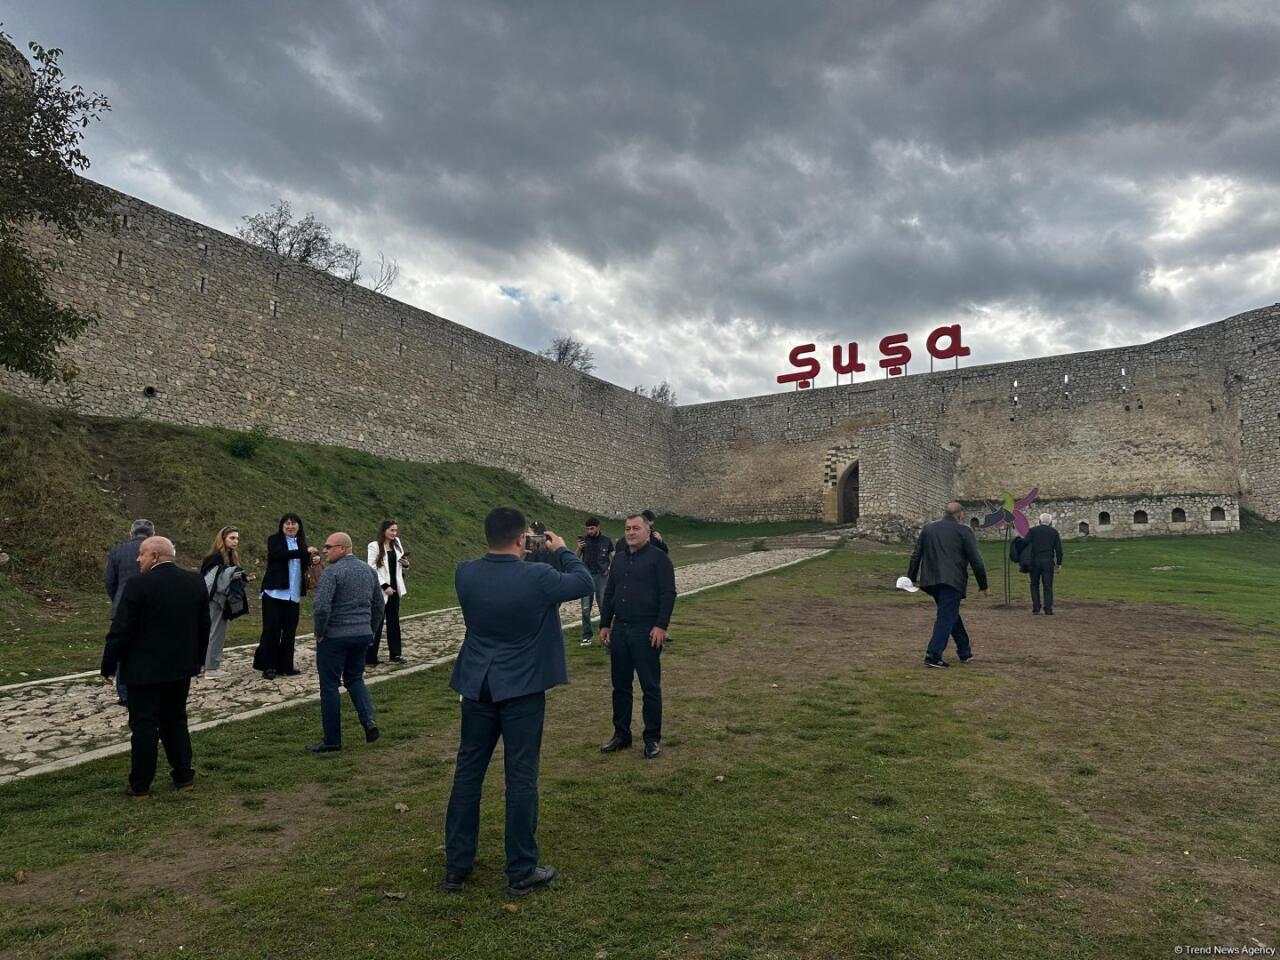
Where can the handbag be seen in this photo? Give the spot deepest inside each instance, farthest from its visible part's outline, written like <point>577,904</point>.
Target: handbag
<point>311,574</point>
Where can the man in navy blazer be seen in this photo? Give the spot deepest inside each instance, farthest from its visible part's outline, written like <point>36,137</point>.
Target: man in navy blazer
<point>513,653</point>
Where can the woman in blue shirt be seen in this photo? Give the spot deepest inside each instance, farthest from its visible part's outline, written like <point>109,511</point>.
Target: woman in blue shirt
<point>283,587</point>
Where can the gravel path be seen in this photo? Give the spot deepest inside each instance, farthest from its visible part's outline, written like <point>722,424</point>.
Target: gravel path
<point>51,724</point>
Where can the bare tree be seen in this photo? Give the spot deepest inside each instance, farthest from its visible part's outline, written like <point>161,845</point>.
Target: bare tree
<point>662,392</point>
<point>572,353</point>
<point>306,240</point>
<point>387,274</point>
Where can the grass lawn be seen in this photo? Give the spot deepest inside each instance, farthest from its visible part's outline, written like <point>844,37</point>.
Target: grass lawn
<point>1102,784</point>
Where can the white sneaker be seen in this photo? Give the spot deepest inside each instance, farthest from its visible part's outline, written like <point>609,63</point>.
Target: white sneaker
<point>587,641</point>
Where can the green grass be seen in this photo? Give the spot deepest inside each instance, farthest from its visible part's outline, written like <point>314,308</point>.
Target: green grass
<point>71,485</point>
<point>1228,575</point>
<point>868,808</point>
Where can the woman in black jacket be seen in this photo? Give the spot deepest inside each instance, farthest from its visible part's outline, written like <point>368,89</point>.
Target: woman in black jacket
<point>283,587</point>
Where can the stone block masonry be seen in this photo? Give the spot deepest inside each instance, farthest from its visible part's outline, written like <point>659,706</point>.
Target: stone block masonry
<point>197,327</point>
<point>1194,413</point>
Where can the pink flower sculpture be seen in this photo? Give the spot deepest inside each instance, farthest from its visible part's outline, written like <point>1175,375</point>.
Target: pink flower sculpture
<point>1011,512</point>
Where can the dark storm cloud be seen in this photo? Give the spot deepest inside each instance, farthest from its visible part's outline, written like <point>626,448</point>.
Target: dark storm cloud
<point>693,187</point>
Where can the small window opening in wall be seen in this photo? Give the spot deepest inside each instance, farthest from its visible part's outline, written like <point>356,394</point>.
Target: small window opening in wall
<point>1139,516</point>
<point>1126,408</point>
<point>124,221</point>
<point>1015,384</point>
<point>119,258</point>
<point>277,276</point>
<point>1084,528</point>
<point>1217,513</point>
<point>1178,516</point>
<point>1104,519</point>
<point>273,308</point>
<point>973,522</point>
<point>202,284</point>
<point>150,392</point>
<point>1066,378</point>
<point>1122,371</point>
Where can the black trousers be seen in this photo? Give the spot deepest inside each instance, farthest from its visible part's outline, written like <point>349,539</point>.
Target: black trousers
<point>279,625</point>
<point>630,653</point>
<point>390,620</point>
<point>1042,573</point>
<point>158,714</point>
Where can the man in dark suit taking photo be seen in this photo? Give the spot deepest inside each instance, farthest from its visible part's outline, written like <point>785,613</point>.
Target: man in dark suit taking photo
<point>512,654</point>
<point>158,640</point>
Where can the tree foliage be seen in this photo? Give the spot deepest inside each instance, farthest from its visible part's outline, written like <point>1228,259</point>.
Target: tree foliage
<point>572,353</point>
<point>661,392</point>
<point>310,241</point>
<point>42,125</point>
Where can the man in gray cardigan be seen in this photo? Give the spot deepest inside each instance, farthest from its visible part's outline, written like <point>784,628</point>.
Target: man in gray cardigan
<point>348,608</point>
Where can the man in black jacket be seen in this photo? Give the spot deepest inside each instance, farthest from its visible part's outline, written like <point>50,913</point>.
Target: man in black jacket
<point>1043,553</point>
<point>596,551</point>
<point>940,566</point>
<point>634,615</point>
<point>158,640</point>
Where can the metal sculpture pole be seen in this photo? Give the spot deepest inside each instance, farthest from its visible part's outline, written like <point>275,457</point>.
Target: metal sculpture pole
<point>1006,565</point>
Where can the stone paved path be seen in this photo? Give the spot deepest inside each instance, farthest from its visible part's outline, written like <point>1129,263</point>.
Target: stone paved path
<point>51,724</point>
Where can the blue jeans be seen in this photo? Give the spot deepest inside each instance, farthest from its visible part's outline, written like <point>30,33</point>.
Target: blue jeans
<point>122,692</point>
<point>948,623</point>
<point>596,595</point>
<point>518,722</point>
<point>342,658</point>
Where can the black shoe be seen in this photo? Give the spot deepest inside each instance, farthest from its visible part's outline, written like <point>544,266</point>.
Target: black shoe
<point>935,662</point>
<point>372,663</point>
<point>454,880</point>
<point>540,877</point>
<point>323,747</point>
<point>371,733</point>
<point>652,749</point>
<point>186,784</point>
<point>1048,613</point>
<point>615,744</point>
<point>123,703</point>
<point>268,674</point>
<point>397,659</point>
<point>137,794</point>
<point>291,672</point>
<point>966,659</point>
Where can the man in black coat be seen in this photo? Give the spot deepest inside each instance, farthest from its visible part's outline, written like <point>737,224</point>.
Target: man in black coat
<point>634,616</point>
<point>596,551</point>
<point>1043,553</point>
<point>158,640</point>
<point>940,566</point>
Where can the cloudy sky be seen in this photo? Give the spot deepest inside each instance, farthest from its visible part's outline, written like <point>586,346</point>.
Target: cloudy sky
<point>691,188</point>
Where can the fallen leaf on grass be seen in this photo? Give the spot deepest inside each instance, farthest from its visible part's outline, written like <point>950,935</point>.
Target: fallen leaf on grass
<point>402,808</point>
<point>393,895</point>
<point>720,779</point>
<point>20,877</point>
<point>510,908</point>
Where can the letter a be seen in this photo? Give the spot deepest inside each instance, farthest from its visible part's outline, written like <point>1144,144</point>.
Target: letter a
<point>953,348</point>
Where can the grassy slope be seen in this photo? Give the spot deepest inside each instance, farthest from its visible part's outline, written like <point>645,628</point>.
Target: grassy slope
<point>864,812</point>
<point>70,485</point>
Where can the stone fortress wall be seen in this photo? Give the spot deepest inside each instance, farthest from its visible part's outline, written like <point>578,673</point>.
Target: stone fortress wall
<point>198,327</point>
<point>1193,414</point>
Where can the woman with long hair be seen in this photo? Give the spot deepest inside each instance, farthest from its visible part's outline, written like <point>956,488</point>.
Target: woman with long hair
<point>387,557</point>
<point>220,569</point>
<point>283,587</point>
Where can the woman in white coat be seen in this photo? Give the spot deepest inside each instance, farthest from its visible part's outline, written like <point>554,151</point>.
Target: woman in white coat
<point>387,557</point>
